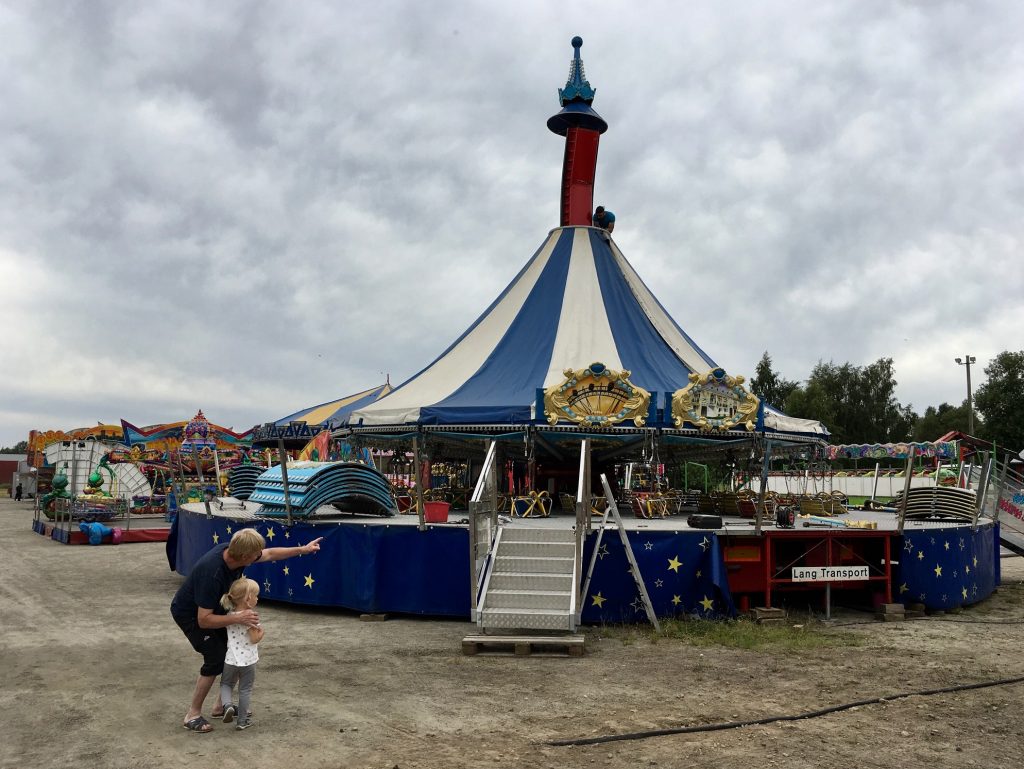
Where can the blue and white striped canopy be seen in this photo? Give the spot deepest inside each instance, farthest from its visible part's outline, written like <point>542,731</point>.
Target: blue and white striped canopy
<point>336,412</point>
<point>576,302</point>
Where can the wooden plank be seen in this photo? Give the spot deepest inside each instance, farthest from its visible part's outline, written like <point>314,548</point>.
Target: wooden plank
<point>763,612</point>
<point>524,646</point>
<point>892,608</point>
<point>883,617</point>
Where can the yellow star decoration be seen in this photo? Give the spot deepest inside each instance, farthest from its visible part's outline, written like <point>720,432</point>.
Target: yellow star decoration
<point>975,562</point>
<point>920,555</point>
<point>310,581</point>
<point>216,538</point>
<point>270,534</point>
<point>964,593</point>
<point>229,529</point>
<point>707,603</point>
<point>904,588</point>
<point>598,601</point>
<point>698,574</point>
<point>938,570</point>
<point>967,569</point>
<point>676,600</point>
<point>947,546</point>
<point>287,535</point>
<point>674,564</point>
<point>286,571</point>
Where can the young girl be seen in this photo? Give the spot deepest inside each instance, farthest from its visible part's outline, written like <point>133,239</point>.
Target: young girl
<point>242,655</point>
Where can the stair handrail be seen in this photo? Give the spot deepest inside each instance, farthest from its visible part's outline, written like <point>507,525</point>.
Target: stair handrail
<point>478,607</point>
<point>581,530</point>
<point>1003,481</point>
<point>483,528</point>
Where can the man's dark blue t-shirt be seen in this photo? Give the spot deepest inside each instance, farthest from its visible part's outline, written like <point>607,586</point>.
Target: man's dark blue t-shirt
<point>603,220</point>
<point>209,579</point>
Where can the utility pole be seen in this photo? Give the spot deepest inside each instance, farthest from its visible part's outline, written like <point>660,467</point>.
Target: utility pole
<point>967,360</point>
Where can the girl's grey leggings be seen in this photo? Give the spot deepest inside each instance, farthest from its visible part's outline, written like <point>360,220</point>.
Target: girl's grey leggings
<point>246,677</point>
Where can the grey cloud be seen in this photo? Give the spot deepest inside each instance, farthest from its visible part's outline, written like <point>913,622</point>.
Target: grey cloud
<point>252,207</point>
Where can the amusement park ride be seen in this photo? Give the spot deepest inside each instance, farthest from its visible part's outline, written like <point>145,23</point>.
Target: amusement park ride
<point>136,478</point>
<point>574,406</point>
<point>576,402</point>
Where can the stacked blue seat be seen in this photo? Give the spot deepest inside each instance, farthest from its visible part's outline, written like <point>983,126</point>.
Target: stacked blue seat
<point>351,487</point>
<point>242,480</point>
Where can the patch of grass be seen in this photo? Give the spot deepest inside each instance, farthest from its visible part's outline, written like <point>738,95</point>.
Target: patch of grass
<point>742,633</point>
<point>859,501</point>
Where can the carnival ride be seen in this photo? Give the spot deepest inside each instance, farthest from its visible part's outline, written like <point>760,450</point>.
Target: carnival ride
<point>576,385</point>
<point>139,475</point>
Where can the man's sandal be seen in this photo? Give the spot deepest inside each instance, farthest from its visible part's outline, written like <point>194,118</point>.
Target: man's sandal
<point>198,724</point>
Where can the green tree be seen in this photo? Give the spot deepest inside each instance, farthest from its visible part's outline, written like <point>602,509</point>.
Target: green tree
<point>18,448</point>
<point>768,385</point>
<point>857,404</point>
<point>881,417</point>
<point>1001,400</point>
<point>936,422</point>
<point>813,401</point>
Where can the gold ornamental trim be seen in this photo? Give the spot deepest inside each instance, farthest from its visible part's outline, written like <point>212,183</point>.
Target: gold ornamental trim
<point>715,402</point>
<point>596,396</point>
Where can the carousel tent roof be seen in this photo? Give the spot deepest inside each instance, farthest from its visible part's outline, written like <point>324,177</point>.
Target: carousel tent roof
<point>336,412</point>
<point>577,301</point>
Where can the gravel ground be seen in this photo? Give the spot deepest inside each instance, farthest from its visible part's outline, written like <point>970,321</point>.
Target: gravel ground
<point>94,673</point>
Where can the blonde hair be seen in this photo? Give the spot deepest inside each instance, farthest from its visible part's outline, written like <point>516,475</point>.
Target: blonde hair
<point>245,543</point>
<point>240,589</point>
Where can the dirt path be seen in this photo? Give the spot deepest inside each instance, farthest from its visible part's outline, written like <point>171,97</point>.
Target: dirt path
<point>93,673</point>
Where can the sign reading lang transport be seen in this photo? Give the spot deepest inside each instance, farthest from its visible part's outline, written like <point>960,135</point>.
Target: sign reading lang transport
<point>829,573</point>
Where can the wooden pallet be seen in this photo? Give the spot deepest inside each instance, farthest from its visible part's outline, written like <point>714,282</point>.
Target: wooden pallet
<point>523,646</point>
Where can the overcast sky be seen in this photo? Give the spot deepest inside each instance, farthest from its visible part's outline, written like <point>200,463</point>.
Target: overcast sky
<point>251,208</point>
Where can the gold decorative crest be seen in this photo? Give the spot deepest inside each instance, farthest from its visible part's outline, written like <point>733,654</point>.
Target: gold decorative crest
<point>715,401</point>
<point>597,397</point>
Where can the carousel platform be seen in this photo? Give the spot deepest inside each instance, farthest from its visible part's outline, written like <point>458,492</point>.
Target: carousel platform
<point>379,564</point>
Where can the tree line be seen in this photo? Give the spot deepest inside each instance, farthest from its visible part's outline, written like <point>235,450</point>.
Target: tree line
<point>858,404</point>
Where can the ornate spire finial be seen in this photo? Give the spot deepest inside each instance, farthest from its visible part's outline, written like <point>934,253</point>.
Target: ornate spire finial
<point>576,87</point>
<point>582,128</point>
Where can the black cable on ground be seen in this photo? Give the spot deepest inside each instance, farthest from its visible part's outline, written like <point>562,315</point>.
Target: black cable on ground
<point>773,719</point>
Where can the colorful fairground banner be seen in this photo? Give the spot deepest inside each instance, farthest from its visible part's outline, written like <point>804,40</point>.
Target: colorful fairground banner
<point>937,449</point>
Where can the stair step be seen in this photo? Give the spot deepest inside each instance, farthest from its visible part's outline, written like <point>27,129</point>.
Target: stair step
<point>541,549</point>
<point>526,619</point>
<point>516,534</point>
<point>519,580</point>
<point>528,599</point>
<point>535,564</point>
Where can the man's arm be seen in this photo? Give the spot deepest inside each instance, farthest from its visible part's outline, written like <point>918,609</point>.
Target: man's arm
<point>207,620</point>
<point>281,553</point>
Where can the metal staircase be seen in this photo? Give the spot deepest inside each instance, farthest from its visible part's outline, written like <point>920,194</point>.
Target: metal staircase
<point>531,584</point>
<point>529,578</point>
